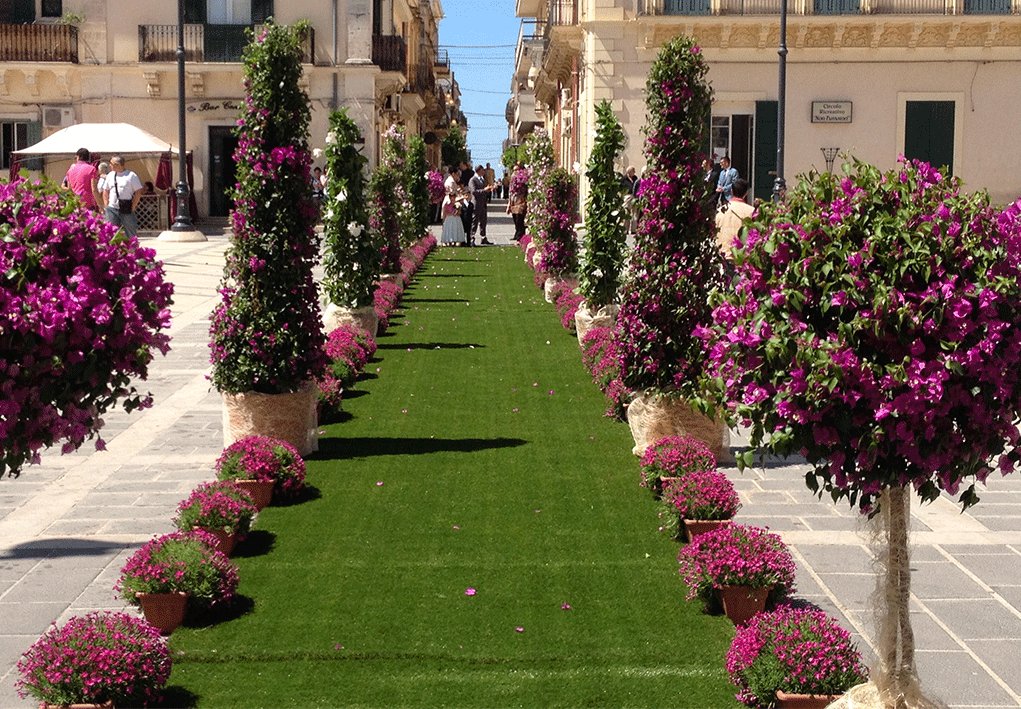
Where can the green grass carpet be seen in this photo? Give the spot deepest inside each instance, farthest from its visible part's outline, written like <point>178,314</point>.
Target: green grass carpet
<point>475,457</point>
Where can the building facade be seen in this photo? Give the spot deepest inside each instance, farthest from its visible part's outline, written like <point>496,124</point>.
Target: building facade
<point>90,61</point>
<point>930,79</point>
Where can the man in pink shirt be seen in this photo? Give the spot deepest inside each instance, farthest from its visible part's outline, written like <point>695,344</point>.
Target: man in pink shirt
<point>82,178</point>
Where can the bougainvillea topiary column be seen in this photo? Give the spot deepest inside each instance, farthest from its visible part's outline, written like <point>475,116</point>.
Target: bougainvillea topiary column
<point>677,261</point>
<point>389,204</point>
<point>266,333</point>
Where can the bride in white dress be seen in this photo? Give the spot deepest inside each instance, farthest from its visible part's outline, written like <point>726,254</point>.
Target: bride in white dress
<point>453,229</point>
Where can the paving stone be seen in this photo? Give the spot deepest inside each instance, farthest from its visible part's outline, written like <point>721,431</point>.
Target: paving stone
<point>977,619</point>
<point>54,584</point>
<point>994,569</point>
<point>1001,657</point>
<point>945,580</point>
<point>834,558</point>
<point>29,618</point>
<point>956,674</point>
<point>853,589</point>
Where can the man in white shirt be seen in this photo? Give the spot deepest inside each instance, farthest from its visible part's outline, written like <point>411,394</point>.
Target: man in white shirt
<point>730,218</point>
<point>121,188</point>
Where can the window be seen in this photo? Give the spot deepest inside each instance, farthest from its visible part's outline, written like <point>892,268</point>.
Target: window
<point>229,12</point>
<point>17,12</point>
<point>929,128</point>
<point>53,8</point>
<point>13,136</point>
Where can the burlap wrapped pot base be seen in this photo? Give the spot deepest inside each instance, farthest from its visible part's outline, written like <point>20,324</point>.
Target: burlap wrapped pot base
<point>289,417</point>
<point>586,319</point>
<point>363,318</point>
<point>653,418</point>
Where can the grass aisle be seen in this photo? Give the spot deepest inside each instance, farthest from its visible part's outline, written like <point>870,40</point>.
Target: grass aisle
<point>476,458</point>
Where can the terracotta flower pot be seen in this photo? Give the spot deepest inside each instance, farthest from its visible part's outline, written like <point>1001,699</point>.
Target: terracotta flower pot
<point>225,541</point>
<point>804,701</point>
<point>164,611</point>
<point>740,603</point>
<point>694,527</point>
<point>260,490</point>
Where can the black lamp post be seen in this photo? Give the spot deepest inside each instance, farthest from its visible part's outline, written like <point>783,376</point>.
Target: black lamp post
<point>182,222</point>
<point>780,185</point>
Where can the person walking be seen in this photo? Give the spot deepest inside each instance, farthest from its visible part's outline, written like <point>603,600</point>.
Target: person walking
<point>480,195</point>
<point>82,178</point>
<point>629,185</point>
<point>122,190</point>
<point>468,205</point>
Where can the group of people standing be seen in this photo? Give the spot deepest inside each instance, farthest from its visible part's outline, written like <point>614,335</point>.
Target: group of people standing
<point>465,207</point>
<point>112,185</point>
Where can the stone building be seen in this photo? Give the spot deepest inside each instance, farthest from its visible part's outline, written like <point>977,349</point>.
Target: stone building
<point>89,61</point>
<point>931,79</point>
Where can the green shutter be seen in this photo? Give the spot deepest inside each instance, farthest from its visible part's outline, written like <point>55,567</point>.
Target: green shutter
<point>929,132</point>
<point>765,149</point>
<point>262,10</point>
<point>17,12</point>
<point>33,134</point>
<point>195,12</point>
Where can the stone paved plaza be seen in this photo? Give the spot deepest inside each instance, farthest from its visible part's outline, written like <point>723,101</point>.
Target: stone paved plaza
<point>67,526</point>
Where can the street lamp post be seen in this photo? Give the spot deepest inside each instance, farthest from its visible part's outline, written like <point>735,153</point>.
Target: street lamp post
<point>182,229</point>
<point>780,185</point>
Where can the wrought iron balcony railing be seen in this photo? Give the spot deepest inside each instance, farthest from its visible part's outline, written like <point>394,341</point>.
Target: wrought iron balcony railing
<point>39,43</point>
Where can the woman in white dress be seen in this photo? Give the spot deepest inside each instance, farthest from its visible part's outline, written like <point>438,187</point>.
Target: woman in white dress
<point>453,229</point>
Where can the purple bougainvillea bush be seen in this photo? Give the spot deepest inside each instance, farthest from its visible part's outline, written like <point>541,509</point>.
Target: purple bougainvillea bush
<point>96,658</point>
<point>266,332</point>
<point>875,328</point>
<point>795,650</point>
<point>676,261</point>
<point>82,311</point>
<point>552,203</point>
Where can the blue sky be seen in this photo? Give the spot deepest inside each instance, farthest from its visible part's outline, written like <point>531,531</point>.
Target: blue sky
<point>480,37</point>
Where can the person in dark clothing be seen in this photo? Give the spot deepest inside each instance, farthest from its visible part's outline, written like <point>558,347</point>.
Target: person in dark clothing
<point>468,206</point>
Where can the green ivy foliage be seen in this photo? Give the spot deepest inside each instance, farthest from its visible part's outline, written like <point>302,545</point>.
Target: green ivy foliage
<point>605,238</point>
<point>417,185</point>
<point>453,149</point>
<point>351,262</point>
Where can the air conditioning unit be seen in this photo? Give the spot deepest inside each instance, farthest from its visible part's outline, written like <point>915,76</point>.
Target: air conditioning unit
<point>393,103</point>
<point>567,120</point>
<point>58,116</point>
<point>565,96</point>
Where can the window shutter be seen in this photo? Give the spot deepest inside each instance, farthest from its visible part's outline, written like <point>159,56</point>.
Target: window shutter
<point>18,12</point>
<point>53,8</point>
<point>262,10</point>
<point>195,12</point>
<point>33,134</point>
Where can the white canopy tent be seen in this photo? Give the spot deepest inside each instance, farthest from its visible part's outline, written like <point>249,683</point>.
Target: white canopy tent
<point>104,138</point>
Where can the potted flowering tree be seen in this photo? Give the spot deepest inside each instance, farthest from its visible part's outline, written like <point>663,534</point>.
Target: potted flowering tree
<point>266,332</point>
<point>351,265</point>
<point>676,261</point>
<point>556,193</point>
<point>874,327</point>
<point>268,461</point>
<point>221,508</point>
<point>100,659</point>
<point>538,155</point>
<point>605,237</point>
<point>671,457</point>
<point>793,655</point>
<point>389,202</point>
<point>699,501</point>
<point>434,183</point>
<point>83,313</point>
<point>169,573</point>
<point>743,567</point>
<point>417,185</point>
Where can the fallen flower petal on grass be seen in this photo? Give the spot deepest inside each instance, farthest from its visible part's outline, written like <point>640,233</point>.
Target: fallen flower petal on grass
<point>469,592</point>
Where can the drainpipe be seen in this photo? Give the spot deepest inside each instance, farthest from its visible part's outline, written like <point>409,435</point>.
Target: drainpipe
<point>574,120</point>
<point>336,53</point>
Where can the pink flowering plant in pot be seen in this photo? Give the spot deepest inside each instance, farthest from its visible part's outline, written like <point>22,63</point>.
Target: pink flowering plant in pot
<point>182,562</point>
<point>698,495</point>
<point>792,650</point>
<point>599,355</point>
<point>266,459</point>
<point>676,261</point>
<point>874,328</point>
<point>94,659</point>
<point>674,457</point>
<point>82,313</point>
<point>220,505</point>
<point>266,331</point>
<point>737,555</point>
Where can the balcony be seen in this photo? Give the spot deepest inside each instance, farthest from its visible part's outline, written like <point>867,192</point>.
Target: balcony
<point>390,52</point>
<point>39,43</point>
<point>831,7</point>
<point>204,43</point>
